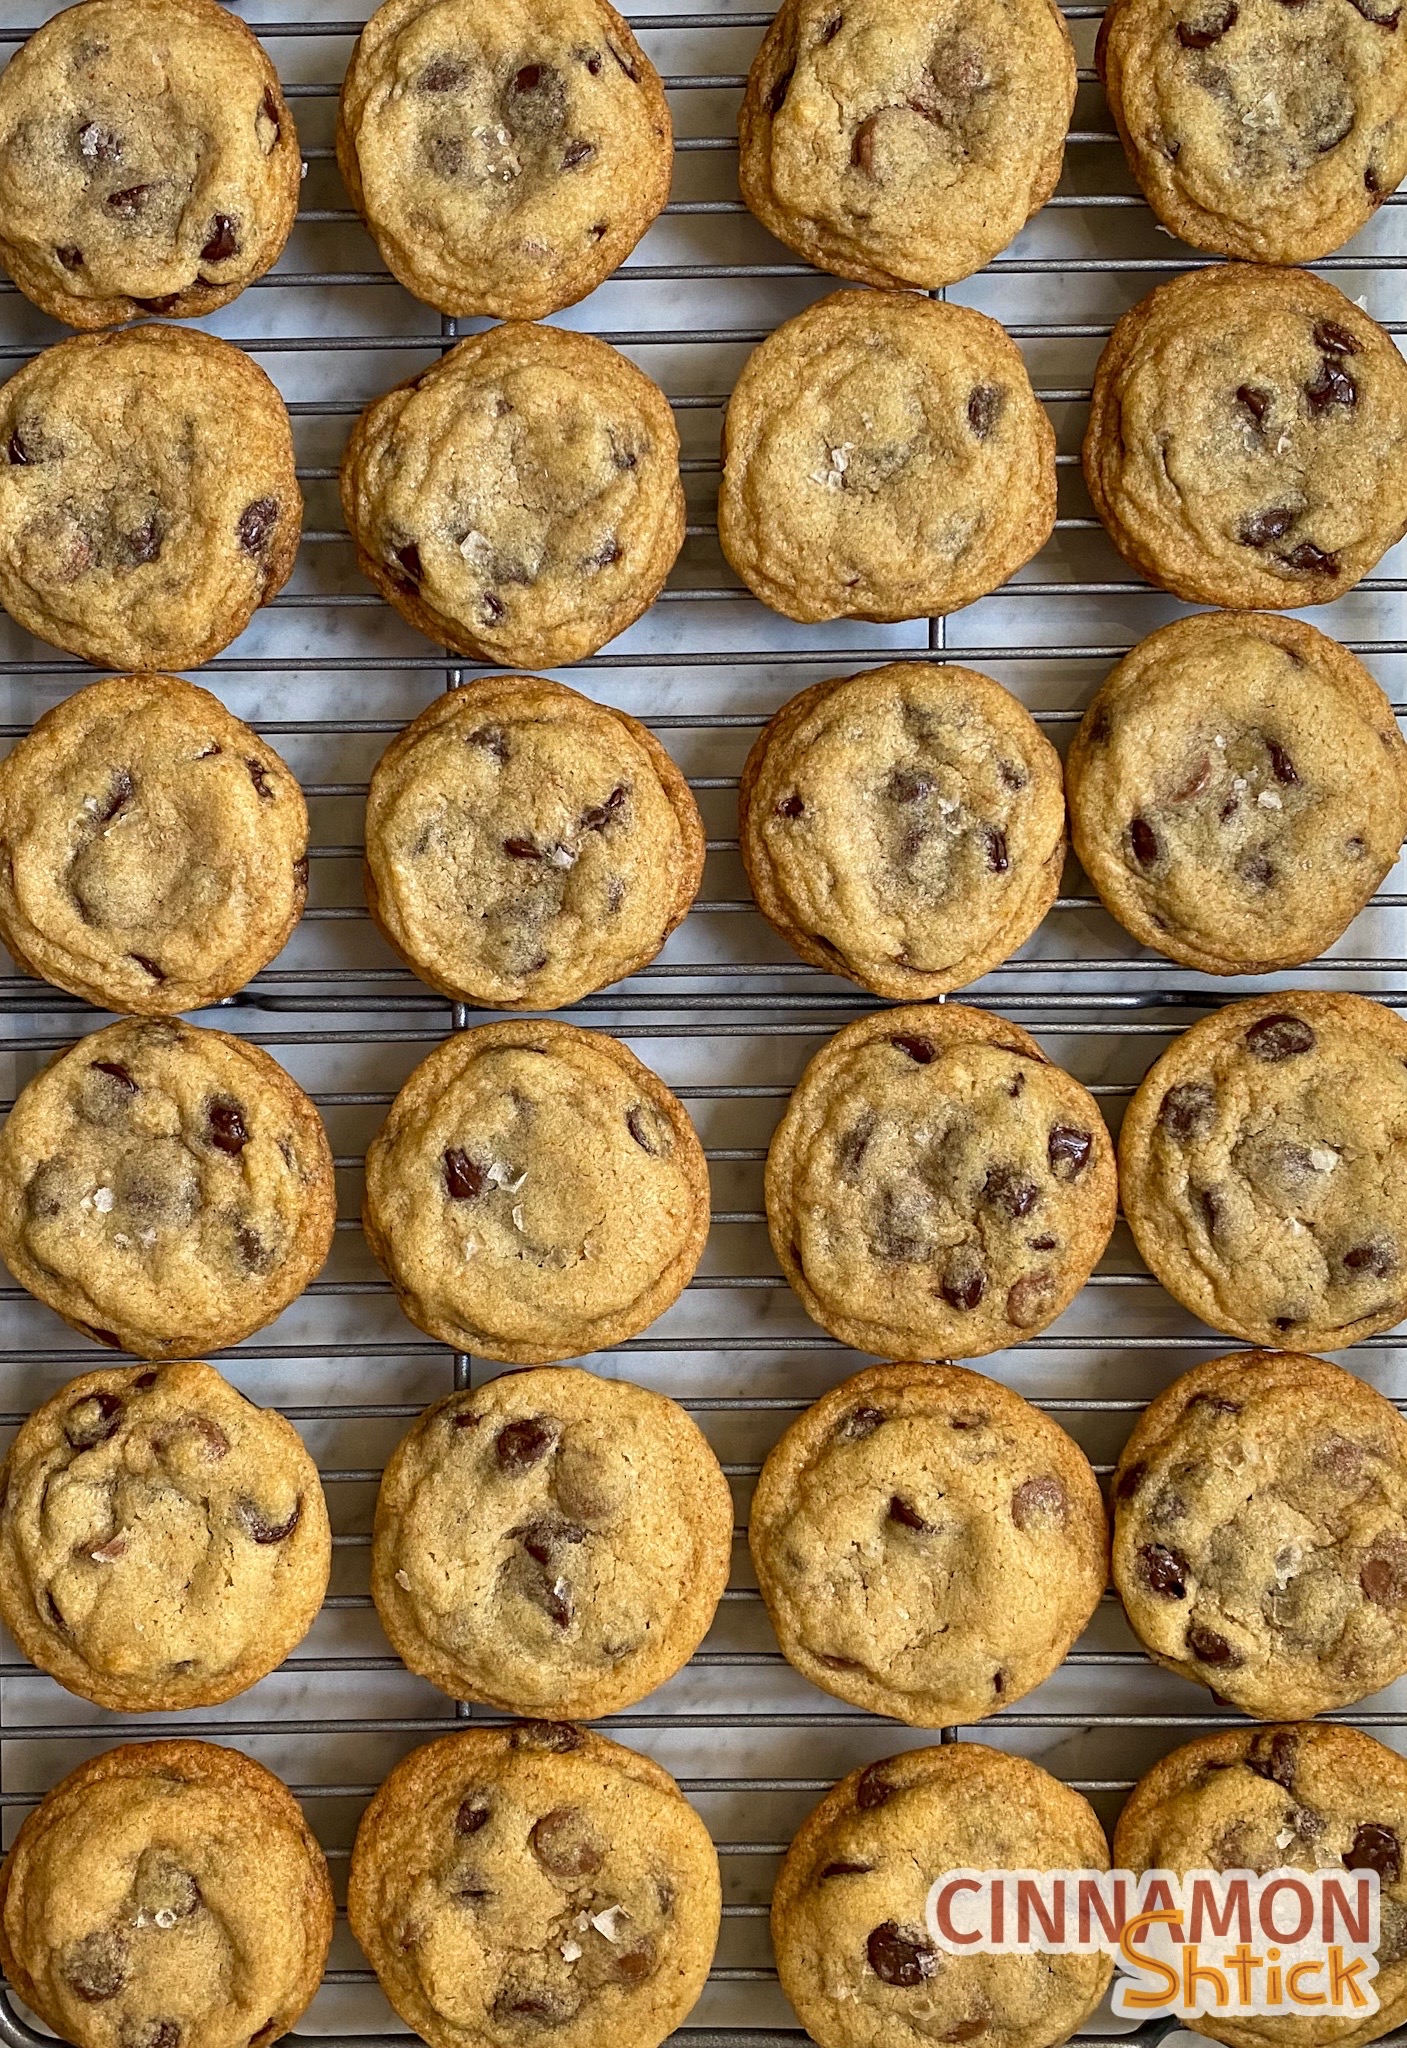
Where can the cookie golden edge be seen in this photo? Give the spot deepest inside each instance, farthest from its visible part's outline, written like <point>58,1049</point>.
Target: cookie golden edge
<point>170,997</point>
<point>1177,1273</point>
<point>1294,1372</point>
<point>317,1224</point>
<point>947,1024</point>
<point>196,300</point>
<point>594,361</point>
<point>1341,671</point>
<point>518,301</point>
<point>550,1035</point>
<point>47,1648</point>
<point>378,1859</point>
<point>711,1519</point>
<point>505,694</point>
<point>906,985</point>
<point>788,1460</point>
<point>267,1803</point>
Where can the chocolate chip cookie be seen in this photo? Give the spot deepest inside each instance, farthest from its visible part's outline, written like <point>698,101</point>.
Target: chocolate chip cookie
<point>166,1190</point>
<point>520,501</point>
<point>1257,130</point>
<point>148,504</point>
<point>884,457</point>
<point>1238,790</point>
<point>525,846</point>
<point>1307,1796</point>
<point>511,1884</point>
<point>148,161</point>
<point>553,1541</point>
<point>902,145</point>
<point>505,159</point>
<point>163,1542</point>
<point>905,827</point>
<point>1260,1533</point>
<point>1263,1169</point>
<point>848,1922</point>
<point>928,1544</point>
<point>936,1189</point>
<point>153,849</point>
<point>1247,440</point>
<point>535,1193</point>
<point>166,1893</point>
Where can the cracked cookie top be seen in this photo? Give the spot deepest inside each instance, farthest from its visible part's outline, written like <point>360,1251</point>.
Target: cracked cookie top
<point>1247,440</point>
<point>1263,1169</point>
<point>166,1895</point>
<point>1238,790</point>
<point>153,849</point>
<point>148,161</point>
<point>148,502</point>
<point>1316,1796</point>
<point>928,1544</point>
<point>519,501</point>
<point>848,1910</point>
<point>506,160</point>
<point>936,1189</point>
<point>902,145</point>
<point>1257,130</point>
<point>535,1193</point>
<point>1260,1533</point>
<point>553,1542</point>
<point>525,846</point>
<point>165,1189</point>
<point>164,1542</point>
<point>884,457</point>
<point>512,1885</point>
<point>905,827</point>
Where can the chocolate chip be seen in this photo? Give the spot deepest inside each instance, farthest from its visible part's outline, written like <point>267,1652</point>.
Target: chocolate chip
<point>908,1517</point>
<point>873,1788</point>
<point>254,1254</point>
<point>843,1870</point>
<point>256,523</point>
<point>1373,184</point>
<point>224,1125</point>
<point>18,453</point>
<point>1164,1571</point>
<point>964,1279</point>
<point>1310,560</point>
<point>1144,841</point>
<point>151,2034</point>
<point>1379,1258</point>
<point>71,258</point>
<point>860,1423</point>
<point>852,1145</point>
<point>906,786</point>
<point>268,107</point>
<point>99,145</point>
<point>1218,1403</point>
<point>1282,767</point>
<point>259,776</point>
<point>1044,1243</point>
<point>223,242</point>
<point>1280,1037</point>
<point>634,1964</point>
<point>472,1813</point>
<point>521,1445</point>
<point>1030,1300</point>
<point>142,546</point>
<point>1259,529</point>
<point>984,408</point>
<point>257,1526</point>
<point>901,1955</point>
<point>994,841</point>
<point>464,1178</point>
<point>163,1891</point>
<point>577,153</point>
<point>409,560</point>
<point>521,849</point>
<point>1376,1847</point>
<point>1129,1482</point>
<point>776,98</point>
<point>790,806</point>
<point>96,1967</point>
<point>649,1130</point>
<point>115,1071</point>
<point>1273,1757</point>
<point>920,1050</point>
<point>93,1420</point>
<point>1256,401</point>
<point>1331,385</point>
<point>1068,1151</point>
<point>1040,1501</point>
<point>1209,28</point>
<point>491,738</point>
<point>1008,1190</point>
<point>1210,1648</point>
<point>545,2004</point>
<point>491,609</point>
<point>120,794</point>
<point>1188,1111</point>
<point>1256,870</point>
<point>566,1845</point>
<point>601,815</point>
<point>444,74</point>
<point>131,202</point>
<point>1383,1576</point>
<point>1335,340</point>
<point>145,1380</point>
<point>544,1537</point>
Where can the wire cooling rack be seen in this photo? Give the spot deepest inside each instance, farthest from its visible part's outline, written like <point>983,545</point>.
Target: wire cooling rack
<point>726,1015</point>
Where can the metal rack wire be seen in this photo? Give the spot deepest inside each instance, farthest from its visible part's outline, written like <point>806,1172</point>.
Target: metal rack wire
<point>328,674</point>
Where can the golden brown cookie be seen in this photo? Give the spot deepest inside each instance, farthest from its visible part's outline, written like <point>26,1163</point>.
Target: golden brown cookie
<point>163,1542</point>
<point>505,160</point>
<point>1247,439</point>
<point>515,1884</point>
<point>903,145</point>
<point>153,849</point>
<point>848,1911</point>
<point>525,846</point>
<point>553,1542</point>
<point>535,1193</point>
<point>1238,790</point>
<point>1263,1169</point>
<point>1260,1533</point>
<point>928,1544</point>
<point>166,1190</point>
<point>884,457</point>
<point>936,1189</point>
<point>904,827</point>
<point>166,1892</point>
<point>148,161</point>
<point>148,501</point>
<point>520,500</point>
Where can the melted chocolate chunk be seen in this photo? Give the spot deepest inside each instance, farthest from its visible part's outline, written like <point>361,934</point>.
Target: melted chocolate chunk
<point>223,242</point>
<point>920,1050</point>
<point>1259,529</point>
<point>256,523</point>
<point>1209,1648</point>
<point>1144,841</point>
<point>1280,1037</point>
<point>225,1127</point>
<point>1376,1847</point>
<point>521,1445</point>
<point>257,1526</point>
<point>1164,1571</point>
<point>984,408</point>
<point>1068,1151</point>
<point>1208,28</point>
<point>901,1955</point>
<point>93,1420</point>
<point>1188,1111</point>
<point>465,1179</point>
